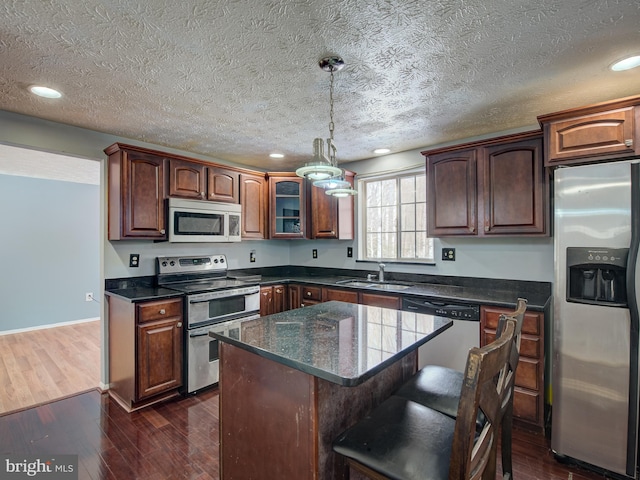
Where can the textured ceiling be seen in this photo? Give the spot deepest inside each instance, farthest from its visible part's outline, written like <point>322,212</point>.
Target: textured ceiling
<point>238,79</point>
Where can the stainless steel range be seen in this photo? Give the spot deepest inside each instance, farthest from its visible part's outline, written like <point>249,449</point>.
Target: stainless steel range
<point>213,301</point>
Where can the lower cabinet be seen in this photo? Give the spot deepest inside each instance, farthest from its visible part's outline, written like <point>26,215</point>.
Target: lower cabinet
<point>145,350</point>
<point>377,300</point>
<point>528,400</point>
<point>273,299</point>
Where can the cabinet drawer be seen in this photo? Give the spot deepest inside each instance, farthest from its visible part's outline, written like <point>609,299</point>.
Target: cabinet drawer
<point>530,347</point>
<point>311,293</point>
<point>531,324</point>
<point>350,296</point>
<point>528,374</point>
<point>526,405</point>
<point>158,310</point>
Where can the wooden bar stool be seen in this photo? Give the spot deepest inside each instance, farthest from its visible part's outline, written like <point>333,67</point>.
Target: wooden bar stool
<point>404,440</point>
<point>439,388</point>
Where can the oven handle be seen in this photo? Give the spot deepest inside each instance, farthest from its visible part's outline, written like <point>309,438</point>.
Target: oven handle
<point>206,300</point>
<point>194,335</point>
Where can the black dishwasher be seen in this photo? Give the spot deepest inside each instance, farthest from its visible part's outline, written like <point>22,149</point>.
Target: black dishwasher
<point>447,309</point>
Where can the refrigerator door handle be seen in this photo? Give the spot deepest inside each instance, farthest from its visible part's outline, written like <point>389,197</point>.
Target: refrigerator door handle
<point>632,300</point>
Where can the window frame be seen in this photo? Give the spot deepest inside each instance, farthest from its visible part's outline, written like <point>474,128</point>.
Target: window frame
<point>362,218</point>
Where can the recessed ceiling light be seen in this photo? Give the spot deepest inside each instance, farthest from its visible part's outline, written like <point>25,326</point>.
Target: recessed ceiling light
<point>276,155</point>
<point>626,64</point>
<point>381,150</point>
<point>44,92</point>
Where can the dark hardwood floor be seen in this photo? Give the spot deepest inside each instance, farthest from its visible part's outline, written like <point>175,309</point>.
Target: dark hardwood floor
<point>178,439</point>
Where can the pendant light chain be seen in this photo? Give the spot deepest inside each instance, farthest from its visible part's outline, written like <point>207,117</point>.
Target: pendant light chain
<point>331,124</point>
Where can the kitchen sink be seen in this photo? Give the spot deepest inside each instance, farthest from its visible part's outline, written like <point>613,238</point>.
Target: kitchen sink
<point>379,286</point>
<point>356,283</point>
<point>389,286</point>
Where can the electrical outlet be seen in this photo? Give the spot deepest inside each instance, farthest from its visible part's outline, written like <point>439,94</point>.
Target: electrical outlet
<point>252,256</point>
<point>88,297</point>
<point>350,252</point>
<point>314,253</point>
<point>134,260</point>
<point>449,254</point>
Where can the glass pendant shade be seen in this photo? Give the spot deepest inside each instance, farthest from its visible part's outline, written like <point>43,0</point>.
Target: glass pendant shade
<point>320,168</point>
<point>331,183</point>
<point>341,192</point>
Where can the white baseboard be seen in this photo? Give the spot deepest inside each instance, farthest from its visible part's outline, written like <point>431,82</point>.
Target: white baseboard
<point>51,325</point>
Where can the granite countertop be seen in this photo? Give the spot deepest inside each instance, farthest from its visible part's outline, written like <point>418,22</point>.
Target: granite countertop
<point>485,292</point>
<point>340,342</point>
<point>142,293</point>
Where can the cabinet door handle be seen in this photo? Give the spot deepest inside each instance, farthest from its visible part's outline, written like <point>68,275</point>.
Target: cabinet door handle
<point>162,231</point>
<point>178,325</point>
<point>162,311</point>
<point>629,142</point>
<point>308,294</point>
<point>278,291</point>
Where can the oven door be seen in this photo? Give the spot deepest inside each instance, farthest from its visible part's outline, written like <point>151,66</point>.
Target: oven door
<point>203,352</point>
<point>223,305</point>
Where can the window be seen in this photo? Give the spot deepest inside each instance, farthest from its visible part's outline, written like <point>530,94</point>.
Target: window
<point>394,223</point>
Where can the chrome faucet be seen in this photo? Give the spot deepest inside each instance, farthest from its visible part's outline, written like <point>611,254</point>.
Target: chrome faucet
<point>381,272</point>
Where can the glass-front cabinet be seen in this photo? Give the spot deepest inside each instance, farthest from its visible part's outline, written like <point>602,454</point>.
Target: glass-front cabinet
<point>288,205</point>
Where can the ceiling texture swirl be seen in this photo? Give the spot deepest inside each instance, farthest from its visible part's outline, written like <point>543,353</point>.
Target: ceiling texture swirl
<point>238,79</point>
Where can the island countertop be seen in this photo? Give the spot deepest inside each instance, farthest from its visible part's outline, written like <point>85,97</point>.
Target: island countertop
<point>343,343</point>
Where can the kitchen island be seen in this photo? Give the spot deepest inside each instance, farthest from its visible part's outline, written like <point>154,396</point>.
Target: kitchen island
<point>291,382</point>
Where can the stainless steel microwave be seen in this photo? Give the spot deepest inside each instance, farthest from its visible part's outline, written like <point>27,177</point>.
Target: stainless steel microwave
<point>201,221</point>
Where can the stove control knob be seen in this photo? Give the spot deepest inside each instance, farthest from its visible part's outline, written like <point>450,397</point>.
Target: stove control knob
<point>222,260</point>
<point>215,260</point>
<point>164,263</point>
<point>172,263</point>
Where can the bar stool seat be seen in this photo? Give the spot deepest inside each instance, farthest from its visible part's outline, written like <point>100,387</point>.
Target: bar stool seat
<point>439,388</point>
<point>404,440</point>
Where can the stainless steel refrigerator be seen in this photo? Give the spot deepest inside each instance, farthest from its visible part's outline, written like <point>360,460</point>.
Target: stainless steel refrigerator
<point>595,321</point>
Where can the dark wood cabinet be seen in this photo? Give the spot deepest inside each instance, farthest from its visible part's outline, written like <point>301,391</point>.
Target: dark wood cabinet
<point>223,185</point>
<point>145,350</point>
<point>495,187</point>
<point>528,400</point>
<point>188,179</point>
<point>605,131</point>
<point>273,299</point>
<point>287,205</point>
<point>452,193</point>
<point>329,216</point>
<point>253,198</point>
<point>135,189</point>
<point>515,189</point>
<point>377,300</point>
<point>340,295</point>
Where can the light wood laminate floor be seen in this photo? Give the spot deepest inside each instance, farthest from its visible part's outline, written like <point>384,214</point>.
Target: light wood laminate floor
<point>43,365</point>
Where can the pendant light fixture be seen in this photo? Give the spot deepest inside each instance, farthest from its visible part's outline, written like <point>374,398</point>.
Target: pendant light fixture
<point>323,170</point>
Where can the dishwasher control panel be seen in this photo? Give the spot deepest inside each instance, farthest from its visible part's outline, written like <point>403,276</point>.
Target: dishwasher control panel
<point>456,310</point>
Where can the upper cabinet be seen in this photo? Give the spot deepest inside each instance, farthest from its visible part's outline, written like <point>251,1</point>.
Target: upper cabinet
<point>136,194</point>
<point>494,187</point>
<point>287,200</point>
<point>140,180</point>
<point>253,198</point>
<point>189,179</point>
<point>605,131</point>
<point>331,217</point>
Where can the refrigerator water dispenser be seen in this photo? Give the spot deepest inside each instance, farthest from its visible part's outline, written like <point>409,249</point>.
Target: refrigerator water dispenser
<point>597,276</point>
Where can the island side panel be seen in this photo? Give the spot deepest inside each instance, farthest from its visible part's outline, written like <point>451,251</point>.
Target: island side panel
<point>341,407</point>
<point>267,418</point>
